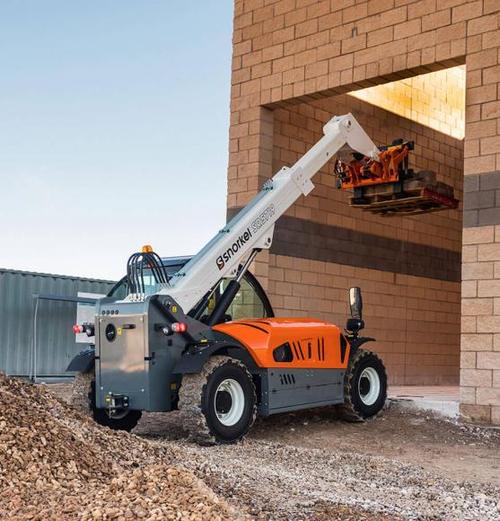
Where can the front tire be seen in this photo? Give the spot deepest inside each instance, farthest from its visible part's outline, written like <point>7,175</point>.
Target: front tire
<point>218,405</point>
<point>365,387</point>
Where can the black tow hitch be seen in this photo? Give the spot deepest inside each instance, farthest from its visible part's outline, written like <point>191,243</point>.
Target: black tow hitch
<point>116,401</point>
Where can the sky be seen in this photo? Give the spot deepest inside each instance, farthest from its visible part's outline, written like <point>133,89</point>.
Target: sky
<point>114,119</point>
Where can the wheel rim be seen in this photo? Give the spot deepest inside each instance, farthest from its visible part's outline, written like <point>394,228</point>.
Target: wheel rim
<point>229,402</point>
<point>369,386</point>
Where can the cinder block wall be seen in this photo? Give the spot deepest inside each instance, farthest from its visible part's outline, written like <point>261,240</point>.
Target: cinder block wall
<point>408,268</point>
<point>289,54</point>
<point>480,343</point>
<point>435,99</point>
<point>480,360</point>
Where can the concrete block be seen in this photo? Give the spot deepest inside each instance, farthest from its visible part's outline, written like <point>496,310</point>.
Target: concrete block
<point>469,253</point>
<point>468,324</point>
<point>477,306</point>
<point>476,377</point>
<point>477,270</point>
<point>487,396</point>
<point>476,413</point>
<point>488,324</point>
<point>488,252</point>
<point>468,395</point>
<point>469,289</point>
<point>488,288</point>
<point>488,360</point>
<point>468,360</point>
<point>479,235</point>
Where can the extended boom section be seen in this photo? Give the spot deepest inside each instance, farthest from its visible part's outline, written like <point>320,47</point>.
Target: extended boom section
<point>252,228</point>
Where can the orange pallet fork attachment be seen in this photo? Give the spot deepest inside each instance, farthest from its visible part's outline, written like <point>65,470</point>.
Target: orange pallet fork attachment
<point>388,187</point>
<point>363,171</point>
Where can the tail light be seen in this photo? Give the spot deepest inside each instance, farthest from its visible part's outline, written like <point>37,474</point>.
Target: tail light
<point>179,327</point>
<point>88,329</point>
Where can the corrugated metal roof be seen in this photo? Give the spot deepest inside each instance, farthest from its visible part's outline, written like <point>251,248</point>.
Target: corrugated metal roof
<point>41,274</point>
<point>55,339</point>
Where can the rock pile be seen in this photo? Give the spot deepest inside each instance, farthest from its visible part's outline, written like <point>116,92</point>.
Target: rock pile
<point>57,464</point>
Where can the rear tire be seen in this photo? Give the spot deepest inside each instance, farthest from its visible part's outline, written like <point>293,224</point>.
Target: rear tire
<point>365,387</point>
<point>218,405</point>
<point>83,398</point>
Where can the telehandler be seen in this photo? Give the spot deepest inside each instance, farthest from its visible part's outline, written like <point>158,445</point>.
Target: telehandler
<point>165,341</point>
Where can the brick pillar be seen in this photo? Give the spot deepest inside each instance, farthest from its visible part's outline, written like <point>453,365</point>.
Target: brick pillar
<point>250,153</point>
<point>250,164</point>
<point>480,340</point>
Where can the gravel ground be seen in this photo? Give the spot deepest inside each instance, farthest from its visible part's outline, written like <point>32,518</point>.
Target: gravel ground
<point>278,480</point>
<point>401,465</point>
<point>282,481</point>
<point>57,464</point>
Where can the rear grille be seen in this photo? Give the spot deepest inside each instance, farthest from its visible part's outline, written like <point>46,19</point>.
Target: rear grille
<point>287,379</point>
<point>307,350</point>
<point>297,351</point>
<point>321,349</point>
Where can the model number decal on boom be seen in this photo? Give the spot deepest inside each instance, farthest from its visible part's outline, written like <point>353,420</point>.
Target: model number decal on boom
<point>263,218</point>
<point>255,226</point>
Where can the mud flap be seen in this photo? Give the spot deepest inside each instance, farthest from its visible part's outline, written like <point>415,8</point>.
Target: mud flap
<point>83,362</point>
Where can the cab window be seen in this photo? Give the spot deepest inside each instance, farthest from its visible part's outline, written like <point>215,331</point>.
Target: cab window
<point>246,304</point>
<point>250,301</point>
<point>120,291</point>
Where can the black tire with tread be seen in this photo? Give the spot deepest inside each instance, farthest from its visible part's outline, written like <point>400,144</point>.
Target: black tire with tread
<point>196,402</point>
<point>353,409</point>
<point>83,397</point>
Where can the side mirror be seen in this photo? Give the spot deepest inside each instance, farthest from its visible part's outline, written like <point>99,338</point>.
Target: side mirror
<point>356,303</point>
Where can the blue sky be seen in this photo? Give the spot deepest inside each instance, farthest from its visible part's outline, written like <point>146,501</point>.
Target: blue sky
<point>114,123</point>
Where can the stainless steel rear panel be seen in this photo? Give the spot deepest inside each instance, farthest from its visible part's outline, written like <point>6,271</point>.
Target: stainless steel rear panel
<point>123,368</point>
<point>138,361</point>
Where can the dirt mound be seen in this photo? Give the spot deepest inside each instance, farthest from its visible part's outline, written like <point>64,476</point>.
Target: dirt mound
<point>58,464</point>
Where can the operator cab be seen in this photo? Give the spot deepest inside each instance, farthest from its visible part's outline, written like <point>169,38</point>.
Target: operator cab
<point>251,300</point>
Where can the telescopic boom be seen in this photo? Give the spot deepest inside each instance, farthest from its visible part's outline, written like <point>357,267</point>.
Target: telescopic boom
<point>252,228</point>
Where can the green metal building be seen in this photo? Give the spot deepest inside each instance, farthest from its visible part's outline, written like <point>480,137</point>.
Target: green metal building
<point>37,311</point>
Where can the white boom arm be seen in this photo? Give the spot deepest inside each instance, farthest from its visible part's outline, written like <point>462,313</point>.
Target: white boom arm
<point>252,228</point>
